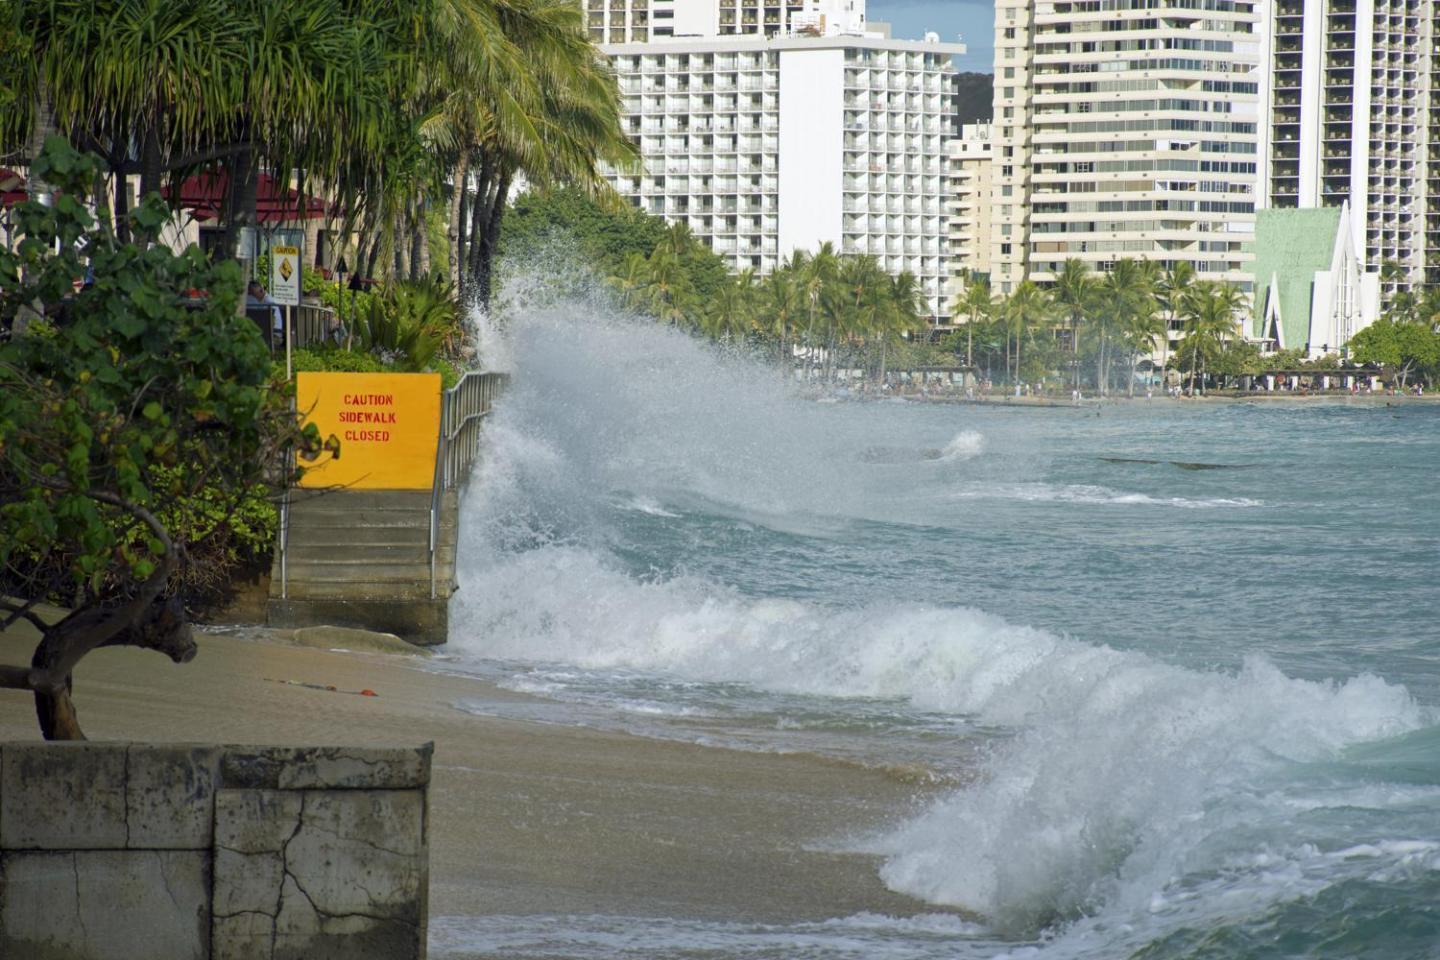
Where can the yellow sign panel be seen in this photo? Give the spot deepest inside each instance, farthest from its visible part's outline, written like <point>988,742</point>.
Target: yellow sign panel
<point>387,426</point>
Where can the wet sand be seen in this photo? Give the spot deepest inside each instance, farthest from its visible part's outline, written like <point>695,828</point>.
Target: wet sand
<point>526,817</point>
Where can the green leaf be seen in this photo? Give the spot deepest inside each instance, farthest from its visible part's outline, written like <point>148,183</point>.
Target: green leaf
<point>152,411</point>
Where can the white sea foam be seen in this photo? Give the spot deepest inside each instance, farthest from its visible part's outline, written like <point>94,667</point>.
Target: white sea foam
<point>1113,783</point>
<point>651,506</point>
<point>1089,493</point>
<point>963,446</point>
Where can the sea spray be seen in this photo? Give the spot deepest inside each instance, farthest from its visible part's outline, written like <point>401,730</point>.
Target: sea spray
<point>647,505</point>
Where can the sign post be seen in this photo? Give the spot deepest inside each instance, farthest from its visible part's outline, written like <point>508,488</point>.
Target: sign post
<point>285,287</point>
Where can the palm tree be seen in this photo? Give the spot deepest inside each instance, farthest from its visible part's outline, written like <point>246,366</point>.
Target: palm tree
<point>1173,287</point>
<point>1074,292</point>
<point>631,279</point>
<point>1126,292</point>
<point>781,305</point>
<point>1025,308</point>
<point>564,126</point>
<point>1210,321</point>
<point>671,295</point>
<point>1146,326</point>
<point>731,315</point>
<point>976,302</point>
<point>817,273</point>
<point>901,313</point>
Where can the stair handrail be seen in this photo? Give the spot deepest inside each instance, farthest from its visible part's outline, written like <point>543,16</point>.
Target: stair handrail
<point>462,408</point>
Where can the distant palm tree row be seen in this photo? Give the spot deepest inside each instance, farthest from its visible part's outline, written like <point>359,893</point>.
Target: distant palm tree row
<point>1121,315</point>
<point>412,115</point>
<point>828,312</point>
<point>823,310</point>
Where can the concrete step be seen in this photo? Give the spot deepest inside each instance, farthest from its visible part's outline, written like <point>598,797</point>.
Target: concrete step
<point>363,538</point>
<point>366,570</point>
<point>361,589</point>
<point>419,619</point>
<point>361,499</point>
<point>308,551</point>
<point>365,518</point>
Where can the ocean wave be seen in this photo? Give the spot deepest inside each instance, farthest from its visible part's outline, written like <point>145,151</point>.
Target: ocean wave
<point>963,446</point>
<point>1089,493</point>
<point>1122,768</point>
<point>650,506</point>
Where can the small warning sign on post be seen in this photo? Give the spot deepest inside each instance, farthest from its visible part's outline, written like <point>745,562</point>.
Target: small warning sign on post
<point>285,274</point>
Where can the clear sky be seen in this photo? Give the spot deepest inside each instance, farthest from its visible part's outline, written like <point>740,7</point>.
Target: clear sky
<point>972,19</point>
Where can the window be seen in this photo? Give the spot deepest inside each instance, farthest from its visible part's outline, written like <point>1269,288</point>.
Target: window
<point>1009,33</point>
<point>1009,73</point>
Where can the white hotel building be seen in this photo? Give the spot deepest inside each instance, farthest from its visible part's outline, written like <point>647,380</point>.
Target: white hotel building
<point>764,146</point>
<point>640,21</point>
<point>1124,128</point>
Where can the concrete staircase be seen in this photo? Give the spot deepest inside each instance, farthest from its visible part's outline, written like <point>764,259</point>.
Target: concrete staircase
<point>361,558</point>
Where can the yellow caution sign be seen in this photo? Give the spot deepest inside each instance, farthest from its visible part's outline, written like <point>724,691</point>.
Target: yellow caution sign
<point>285,274</point>
<point>379,431</point>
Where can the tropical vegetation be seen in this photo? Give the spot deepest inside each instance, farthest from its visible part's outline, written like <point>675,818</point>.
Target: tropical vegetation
<point>140,430</point>
<point>416,119</point>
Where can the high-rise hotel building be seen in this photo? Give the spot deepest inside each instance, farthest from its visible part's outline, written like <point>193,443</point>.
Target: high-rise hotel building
<point>1352,112</point>
<point>1124,128</point>
<point>764,146</point>
<point>639,21</point>
<point>972,164</point>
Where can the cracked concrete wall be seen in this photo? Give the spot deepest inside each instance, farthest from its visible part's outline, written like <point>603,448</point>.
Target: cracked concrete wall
<point>118,851</point>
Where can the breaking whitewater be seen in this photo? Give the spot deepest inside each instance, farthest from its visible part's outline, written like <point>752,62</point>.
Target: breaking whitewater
<point>1173,713</point>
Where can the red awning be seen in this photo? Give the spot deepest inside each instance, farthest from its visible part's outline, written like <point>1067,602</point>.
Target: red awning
<point>204,196</point>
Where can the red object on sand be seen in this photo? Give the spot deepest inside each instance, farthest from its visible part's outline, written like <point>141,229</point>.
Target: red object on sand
<point>367,692</point>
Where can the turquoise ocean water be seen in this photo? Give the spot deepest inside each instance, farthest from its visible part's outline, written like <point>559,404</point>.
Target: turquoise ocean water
<point>1193,650</point>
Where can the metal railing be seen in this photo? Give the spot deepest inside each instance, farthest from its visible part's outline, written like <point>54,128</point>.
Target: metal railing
<point>462,408</point>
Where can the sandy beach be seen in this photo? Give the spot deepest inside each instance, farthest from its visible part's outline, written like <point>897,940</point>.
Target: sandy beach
<point>527,817</point>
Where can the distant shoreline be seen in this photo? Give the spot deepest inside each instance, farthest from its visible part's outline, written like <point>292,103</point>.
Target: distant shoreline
<point>1374,399</point>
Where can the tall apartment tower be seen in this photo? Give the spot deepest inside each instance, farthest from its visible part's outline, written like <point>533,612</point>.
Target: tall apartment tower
<point>1124,128</point>
<point>1352,113</point>
<point>971,166</point>
<point>639,21</point>
<point>764,146</point>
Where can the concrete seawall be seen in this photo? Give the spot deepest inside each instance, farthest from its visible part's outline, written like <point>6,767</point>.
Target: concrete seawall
<point>116,851</point>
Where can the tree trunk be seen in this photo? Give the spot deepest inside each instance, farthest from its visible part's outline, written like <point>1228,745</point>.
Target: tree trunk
<point>485,241</point>
<point>454,222</point>
<point>122,207</point>
<point>1017,360</point>
<point>151,161</point>
<point>1165,358</point>
<point>244,183</point>
<point>420,252</point>
<point>462,244</point>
